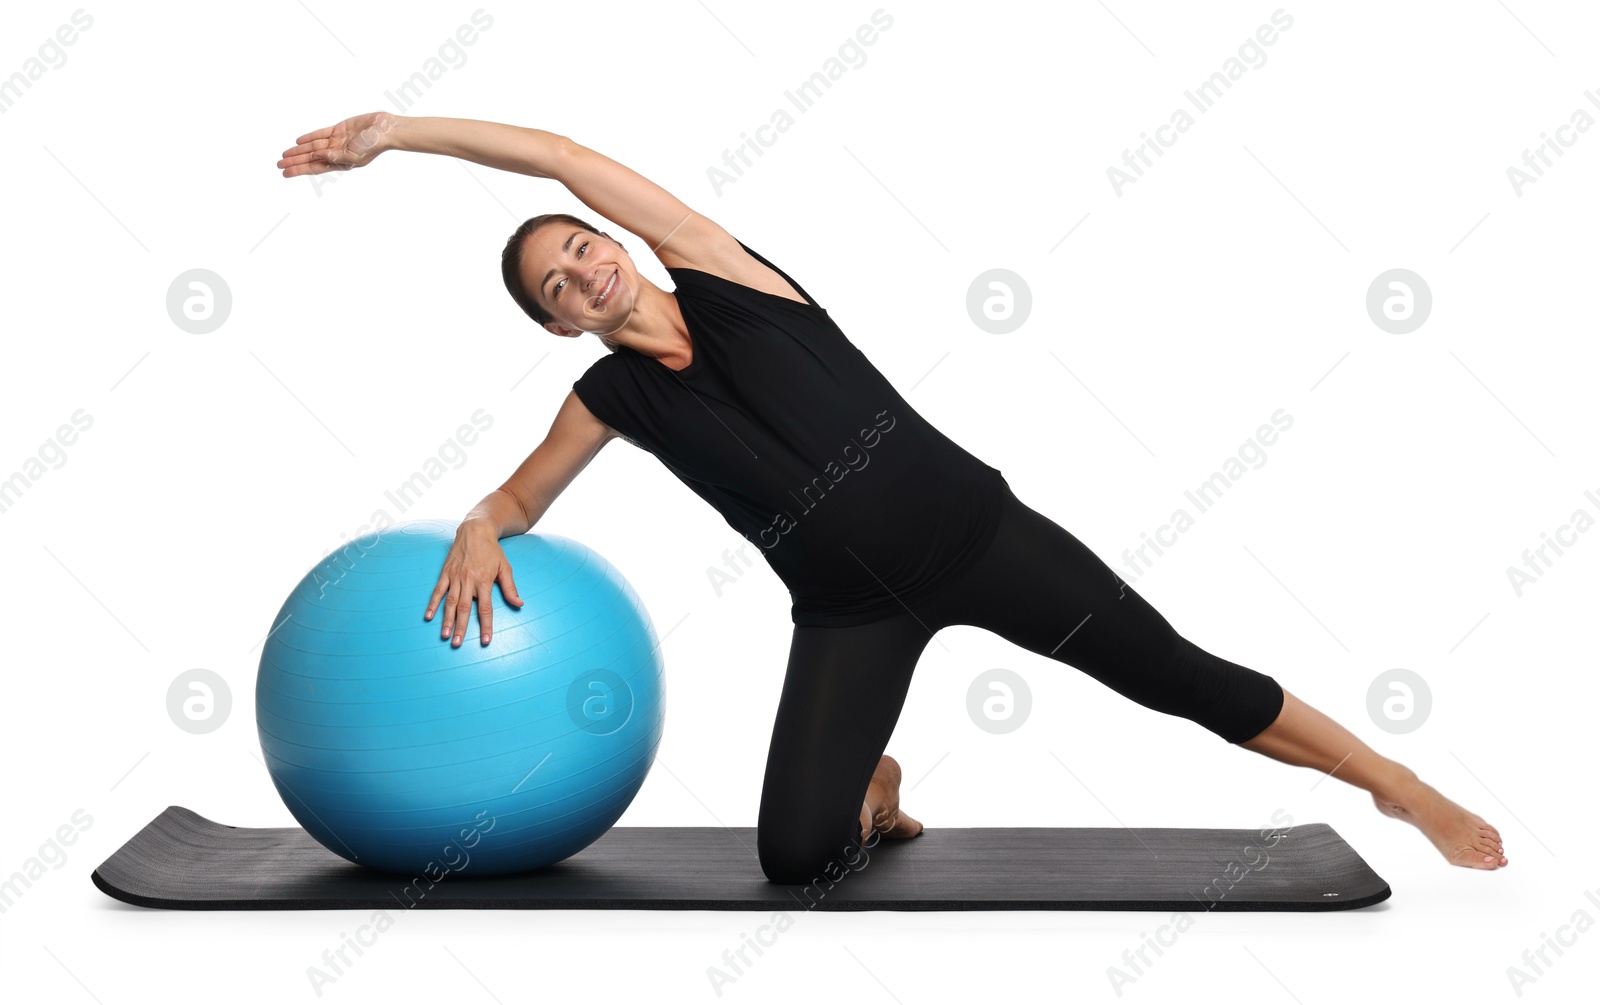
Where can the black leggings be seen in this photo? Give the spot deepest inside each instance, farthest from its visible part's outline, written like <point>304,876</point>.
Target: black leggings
<point>1036,586</point>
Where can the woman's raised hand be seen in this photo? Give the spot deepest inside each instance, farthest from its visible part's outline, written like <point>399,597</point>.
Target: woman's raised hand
<point>475,563</point>
<point>353,143</point>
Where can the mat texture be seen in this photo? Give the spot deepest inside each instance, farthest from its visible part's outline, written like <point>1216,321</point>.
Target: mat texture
<point>183,861</point>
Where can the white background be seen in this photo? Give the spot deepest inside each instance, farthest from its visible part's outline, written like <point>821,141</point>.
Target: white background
<point>369,321</point>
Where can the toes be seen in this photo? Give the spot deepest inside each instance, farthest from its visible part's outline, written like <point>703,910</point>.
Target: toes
<point>1486,859</point>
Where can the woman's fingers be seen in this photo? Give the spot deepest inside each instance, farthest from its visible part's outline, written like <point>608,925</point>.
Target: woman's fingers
<point>439,590</point>
<point>309,163</point>
<point>450,607</point>
<point>306,148</point>
<point>460,586</point>
<point>324,150</point>
<point>508,585</point>
<point>320,134</point>
<point>299,155</point>
<point>463,612</point>
<point>486,610</point>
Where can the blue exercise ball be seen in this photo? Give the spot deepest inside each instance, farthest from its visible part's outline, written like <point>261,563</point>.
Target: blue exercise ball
<point>403,753</point>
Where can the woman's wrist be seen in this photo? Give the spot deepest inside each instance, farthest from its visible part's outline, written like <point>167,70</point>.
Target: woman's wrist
<point>478,523</point>
<point>400,135</point>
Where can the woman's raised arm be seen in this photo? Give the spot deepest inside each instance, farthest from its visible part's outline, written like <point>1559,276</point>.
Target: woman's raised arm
<point>613,190</point>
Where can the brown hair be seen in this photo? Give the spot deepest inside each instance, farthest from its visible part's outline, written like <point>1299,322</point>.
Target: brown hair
<point>511,267</point>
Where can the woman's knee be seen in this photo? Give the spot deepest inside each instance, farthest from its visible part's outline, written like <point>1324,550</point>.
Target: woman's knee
<point>792,848</point>
<point>795,856</point>
<point>1232,701</point>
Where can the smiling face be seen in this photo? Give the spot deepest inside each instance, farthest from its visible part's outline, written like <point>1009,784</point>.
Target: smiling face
<point>586,281</point>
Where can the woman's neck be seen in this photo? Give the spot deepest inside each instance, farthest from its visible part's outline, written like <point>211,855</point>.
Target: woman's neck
<point>656,328</point>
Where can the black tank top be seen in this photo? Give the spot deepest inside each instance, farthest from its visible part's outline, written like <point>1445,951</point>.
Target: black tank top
<point>858,504</point>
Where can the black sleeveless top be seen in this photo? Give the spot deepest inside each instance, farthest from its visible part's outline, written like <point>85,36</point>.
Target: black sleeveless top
<point>780,423</point>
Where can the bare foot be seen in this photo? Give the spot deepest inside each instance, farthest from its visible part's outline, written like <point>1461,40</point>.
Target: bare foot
<point>1463,838</point>
<point>881,811</point>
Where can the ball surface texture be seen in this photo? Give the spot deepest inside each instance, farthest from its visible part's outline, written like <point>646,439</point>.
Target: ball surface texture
<point>401,752</point>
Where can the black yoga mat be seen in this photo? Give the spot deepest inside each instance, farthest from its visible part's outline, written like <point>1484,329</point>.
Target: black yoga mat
<point>182,860</point>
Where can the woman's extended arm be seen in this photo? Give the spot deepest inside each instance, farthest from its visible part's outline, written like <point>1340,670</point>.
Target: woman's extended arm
<point>614,190</point>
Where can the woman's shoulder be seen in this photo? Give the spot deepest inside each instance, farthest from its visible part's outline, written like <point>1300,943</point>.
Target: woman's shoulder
<point>739,270</point>
<point>606,369</point>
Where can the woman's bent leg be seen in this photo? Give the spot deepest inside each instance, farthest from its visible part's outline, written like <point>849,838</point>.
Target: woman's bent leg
<point>842,695</point>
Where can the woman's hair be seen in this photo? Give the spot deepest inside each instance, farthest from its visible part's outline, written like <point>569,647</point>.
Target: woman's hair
<point>511,266</point>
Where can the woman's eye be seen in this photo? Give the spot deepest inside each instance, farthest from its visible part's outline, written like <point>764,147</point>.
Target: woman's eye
<point>557,290</point>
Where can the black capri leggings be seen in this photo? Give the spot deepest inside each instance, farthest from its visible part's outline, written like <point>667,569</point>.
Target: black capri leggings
<point>1036,586</point>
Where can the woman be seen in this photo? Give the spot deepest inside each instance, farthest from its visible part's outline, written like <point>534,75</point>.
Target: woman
<point>883,529</point>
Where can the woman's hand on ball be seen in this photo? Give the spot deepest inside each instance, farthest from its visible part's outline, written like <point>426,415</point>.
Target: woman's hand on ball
<point>355,142</point>
<point>475,563</point>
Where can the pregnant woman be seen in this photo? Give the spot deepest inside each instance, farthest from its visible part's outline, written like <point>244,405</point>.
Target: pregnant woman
<point>883,528</point>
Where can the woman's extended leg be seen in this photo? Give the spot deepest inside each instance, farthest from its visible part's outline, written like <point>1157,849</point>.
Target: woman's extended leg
<point>1040,588</point>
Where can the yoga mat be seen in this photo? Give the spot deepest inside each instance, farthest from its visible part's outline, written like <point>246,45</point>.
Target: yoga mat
<point>181,860</point>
